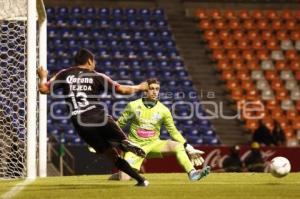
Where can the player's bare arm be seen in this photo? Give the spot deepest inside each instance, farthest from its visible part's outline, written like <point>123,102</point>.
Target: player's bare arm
<point>43,83</point>
<point>126,89</point>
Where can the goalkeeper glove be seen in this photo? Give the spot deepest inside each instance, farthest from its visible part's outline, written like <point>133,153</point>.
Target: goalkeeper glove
<point>194,155</point>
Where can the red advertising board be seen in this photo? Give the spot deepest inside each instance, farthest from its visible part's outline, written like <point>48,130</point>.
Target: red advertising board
<point>214,156</point>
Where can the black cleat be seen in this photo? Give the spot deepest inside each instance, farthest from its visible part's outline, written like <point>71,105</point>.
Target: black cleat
<point>145,183</point>
<point>130,146</point>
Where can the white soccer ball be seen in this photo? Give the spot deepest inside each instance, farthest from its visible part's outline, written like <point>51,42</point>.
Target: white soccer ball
<point>280,167</point>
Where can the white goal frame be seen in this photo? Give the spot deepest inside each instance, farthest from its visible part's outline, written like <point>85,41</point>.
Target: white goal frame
<point>36,13</point>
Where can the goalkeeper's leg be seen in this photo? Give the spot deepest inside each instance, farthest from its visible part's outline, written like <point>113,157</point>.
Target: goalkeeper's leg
<point>172,147</point>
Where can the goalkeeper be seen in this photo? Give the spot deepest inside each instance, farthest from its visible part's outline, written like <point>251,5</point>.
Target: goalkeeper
<point>146,116</point>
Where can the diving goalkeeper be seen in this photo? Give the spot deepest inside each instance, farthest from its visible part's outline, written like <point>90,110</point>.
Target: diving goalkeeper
<point>145,117</point>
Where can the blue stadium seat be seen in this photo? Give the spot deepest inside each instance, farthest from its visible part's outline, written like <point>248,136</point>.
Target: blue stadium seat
<point>63,11</point>
<point>90,11</point>
<point>158,13</point>
<point>104,12</point>
<point>76,11</point>
<point>117,12</point>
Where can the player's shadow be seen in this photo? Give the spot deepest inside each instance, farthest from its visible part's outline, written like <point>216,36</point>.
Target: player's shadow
<point>72,186</point>
<point>273,184</point>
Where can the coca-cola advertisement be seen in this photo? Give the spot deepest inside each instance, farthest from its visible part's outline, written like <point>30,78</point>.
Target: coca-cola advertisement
<point>214,156</point>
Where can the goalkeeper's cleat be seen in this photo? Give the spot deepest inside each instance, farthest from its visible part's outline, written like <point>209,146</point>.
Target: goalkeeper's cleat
<point>145,183</point>
<point>130,146</point>
<point>196,175</point>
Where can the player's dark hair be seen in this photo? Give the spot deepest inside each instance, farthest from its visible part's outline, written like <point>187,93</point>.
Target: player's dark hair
<point>83,56</point>
<point>153,81</point>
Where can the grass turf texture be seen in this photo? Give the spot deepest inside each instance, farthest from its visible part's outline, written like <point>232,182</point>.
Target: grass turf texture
<point>216,185</point>
<point>6,185</point>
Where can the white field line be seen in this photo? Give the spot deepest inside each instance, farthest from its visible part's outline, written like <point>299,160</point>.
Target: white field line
<point>16,189</point>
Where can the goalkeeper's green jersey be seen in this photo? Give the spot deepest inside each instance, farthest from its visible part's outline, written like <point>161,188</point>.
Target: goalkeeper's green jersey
<point>145,122</point>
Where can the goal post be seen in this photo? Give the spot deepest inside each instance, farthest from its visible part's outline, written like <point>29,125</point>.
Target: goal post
<point>23,111</point>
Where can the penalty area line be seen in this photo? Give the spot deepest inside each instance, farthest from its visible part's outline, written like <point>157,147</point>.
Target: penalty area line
<point>16,189</point>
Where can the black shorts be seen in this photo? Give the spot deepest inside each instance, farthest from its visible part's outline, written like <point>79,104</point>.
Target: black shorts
<point>100,137</point>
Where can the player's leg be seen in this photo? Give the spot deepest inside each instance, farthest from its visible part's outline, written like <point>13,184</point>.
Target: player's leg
<point>169,147</point>
<point>117,138</point>
<point>123,165</point>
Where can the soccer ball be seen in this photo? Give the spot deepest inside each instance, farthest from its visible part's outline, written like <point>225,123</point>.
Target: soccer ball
<point>280,167</point>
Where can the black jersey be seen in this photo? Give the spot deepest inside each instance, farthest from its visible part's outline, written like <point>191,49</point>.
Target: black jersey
<point>82,88</point>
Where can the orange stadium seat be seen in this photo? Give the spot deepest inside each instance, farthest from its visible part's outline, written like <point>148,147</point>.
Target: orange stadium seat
<point>219,54</point>
<point>252,64</point>
<point>291,54</point>
<point>243,44</point>
<point>263,54</point>
<point>263,24</point>
<point>295,65</point>
<point>291,25</point>
<point>234,24</point>
<point>242,74</point>
<point>257,44</point>
<point>233,54</point>
<point>286,14</point>
<point>239,35</point>
<point>281,65</point>
<point>238,64</point>
<point>215,14</point>
<point>271,74</point>
<point>295,35</point>
<point>233,84</point>
<point>201,14</point>
<point>248,54</point>
<point>277,24</point>
<point>229,14</point>
<point>206,24</point>
<point>297,15</point>
<point>267,35</point>
<point>273,44</point>
<point>277,84</point>
<point>276,113</point>
<point>237,94</point>
<point>297,75</point>
<point>282,94</point>
<point>244,14</point>
<point>252,95</point>
<point>229,44</point>
<point>271,14</point>
<point>247,84</point>
<point>249,24</point>
<point>257,14</point>
<point>215,44</point>
<point>220,24</point>
<point>224,64</point>
<point>210,34</point>
<point>224,35</point>
<point>253,35</point>
<point>228,75</point>
<point>291,114</point>
<point>282,35</point>
<point>296,123</point>
<point>271,104</point>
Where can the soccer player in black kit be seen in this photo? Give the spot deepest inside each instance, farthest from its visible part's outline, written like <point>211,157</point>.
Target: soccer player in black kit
<point>82,88</point>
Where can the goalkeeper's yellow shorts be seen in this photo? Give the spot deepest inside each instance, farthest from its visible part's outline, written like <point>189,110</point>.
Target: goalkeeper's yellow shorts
<point>152,150</point>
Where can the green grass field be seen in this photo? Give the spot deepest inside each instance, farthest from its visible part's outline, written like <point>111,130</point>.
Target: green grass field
<point>216,185</point>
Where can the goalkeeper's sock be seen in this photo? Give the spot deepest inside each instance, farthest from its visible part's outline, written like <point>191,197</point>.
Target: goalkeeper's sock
<point>126,168</point>
<point>183,158</point>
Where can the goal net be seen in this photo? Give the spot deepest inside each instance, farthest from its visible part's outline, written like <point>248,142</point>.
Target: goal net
<point>19,101</point>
